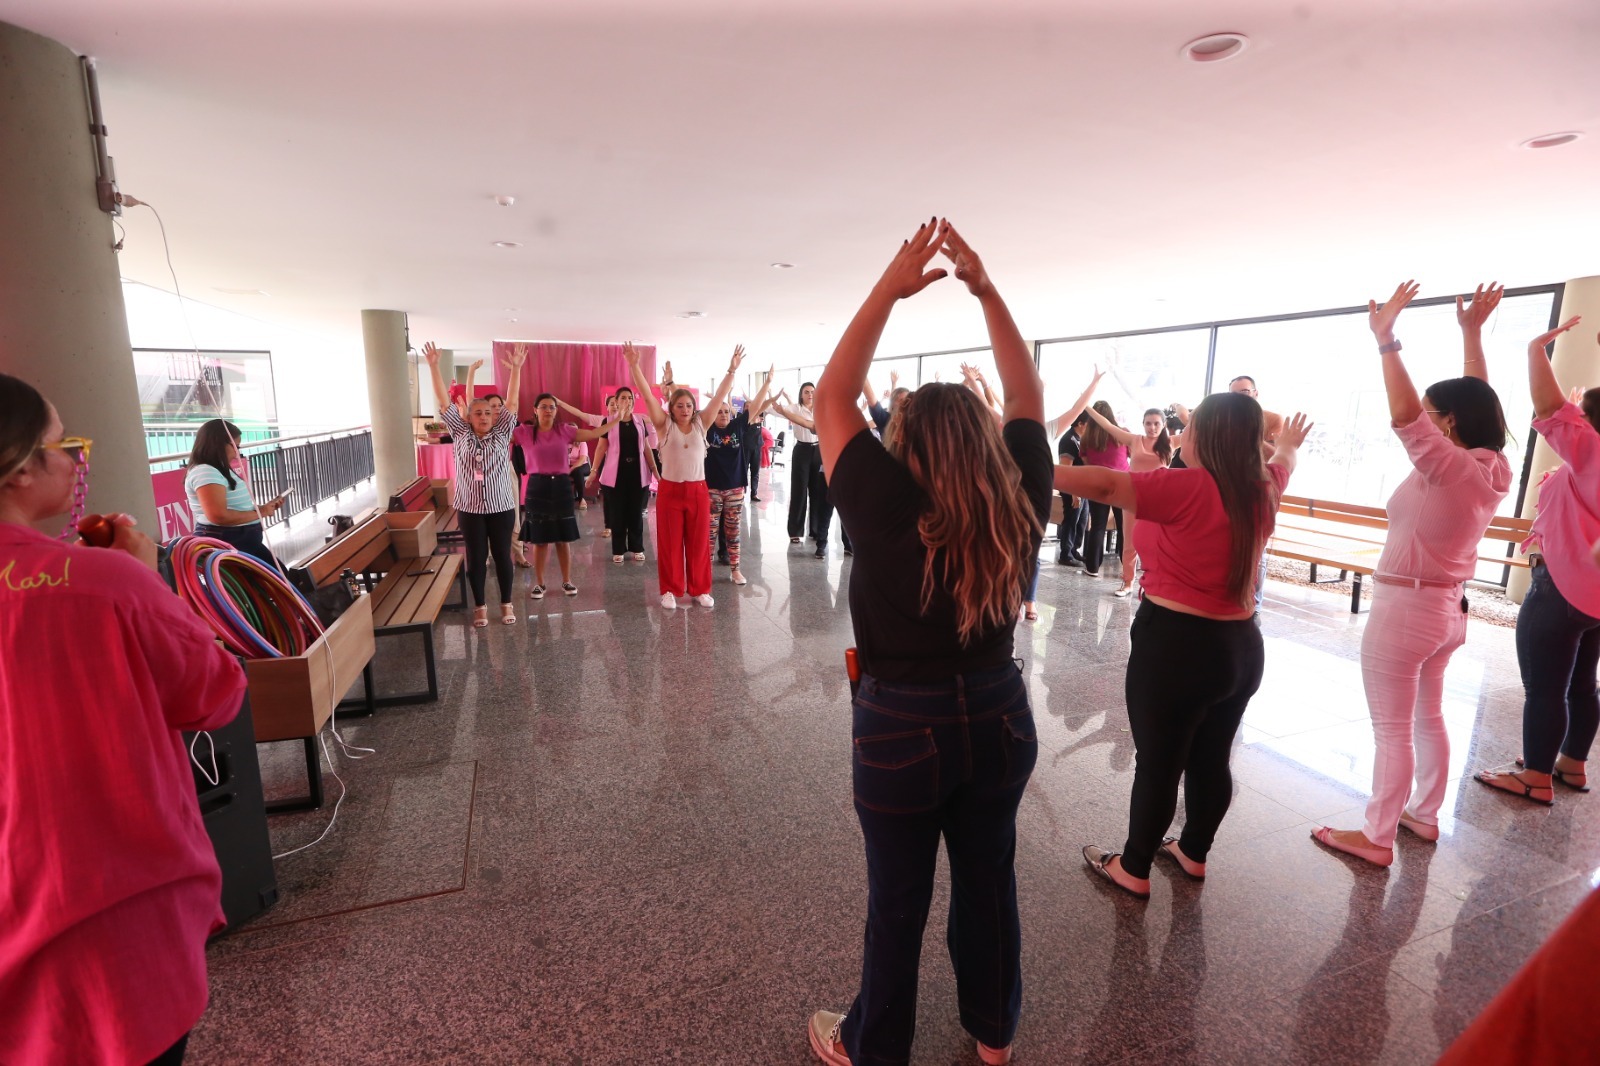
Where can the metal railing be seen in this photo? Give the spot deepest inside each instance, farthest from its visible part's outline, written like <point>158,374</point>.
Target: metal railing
<point>177,438</point>
<point>316,467</point>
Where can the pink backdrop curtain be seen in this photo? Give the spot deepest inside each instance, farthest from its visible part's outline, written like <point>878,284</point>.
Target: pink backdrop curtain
<point>581,374</point>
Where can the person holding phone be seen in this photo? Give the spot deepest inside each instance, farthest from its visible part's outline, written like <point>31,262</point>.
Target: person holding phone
<point>219,498</point>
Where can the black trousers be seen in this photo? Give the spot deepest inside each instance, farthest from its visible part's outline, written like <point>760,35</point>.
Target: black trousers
<point>755,472</point>
<point>1189,681</point>
<point>805,465</point>
<point>1094,549</point>
<point>1074,524</point>
<point>626,516</point>
<point>486,535</point>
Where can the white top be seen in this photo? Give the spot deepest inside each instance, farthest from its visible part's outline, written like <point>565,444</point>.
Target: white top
<point>683,455</point>
<point>802,435</point>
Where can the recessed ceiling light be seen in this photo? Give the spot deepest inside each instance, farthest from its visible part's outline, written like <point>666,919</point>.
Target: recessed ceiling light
<point>1553,140</point>
<point>782,266</point>
<point>1214,47</point>
<point>513,310</point>
<point>505,201</point>
<point>242,292</point>
<point>507,244</point>
<point>513,320</point>
<point>692,314</point>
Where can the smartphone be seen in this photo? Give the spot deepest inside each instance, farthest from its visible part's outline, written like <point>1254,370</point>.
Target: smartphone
<point>284,495</point>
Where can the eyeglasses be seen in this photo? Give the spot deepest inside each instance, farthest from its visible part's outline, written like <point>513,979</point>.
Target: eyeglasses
<point>1431,411</point>
<point>76,448</point>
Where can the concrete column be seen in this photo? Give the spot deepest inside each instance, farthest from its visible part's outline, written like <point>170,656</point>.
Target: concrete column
<point>394,445</point>
<point>447,368</point>
<point>63,327</point>
<point>1576,359</point>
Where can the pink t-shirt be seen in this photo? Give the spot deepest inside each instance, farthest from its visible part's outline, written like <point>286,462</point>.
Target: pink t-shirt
<point>1569,508</point>
<point>1437,515</point>
<point>1183,536</point>
<point>549,454</point>
<point>108,882</point>
<point>1113,456</point>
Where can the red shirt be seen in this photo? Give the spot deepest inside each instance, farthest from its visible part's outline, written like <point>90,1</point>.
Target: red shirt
<point>1182,537</point>
<point>108,882</point>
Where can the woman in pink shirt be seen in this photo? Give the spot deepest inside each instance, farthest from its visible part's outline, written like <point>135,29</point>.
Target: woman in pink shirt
<point>1455,435</point>
<point>108,885</point>
<point>547,514</point>
<point>1151,450</point>
<point>1197,655</point>
<point>1558,628</point>
<point>1100,449</point>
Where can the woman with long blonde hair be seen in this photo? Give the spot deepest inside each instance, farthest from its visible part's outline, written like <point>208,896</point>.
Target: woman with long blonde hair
<point>943,734</point>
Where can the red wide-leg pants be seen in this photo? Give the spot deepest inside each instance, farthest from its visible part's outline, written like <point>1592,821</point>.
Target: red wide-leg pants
<point>683,514</point>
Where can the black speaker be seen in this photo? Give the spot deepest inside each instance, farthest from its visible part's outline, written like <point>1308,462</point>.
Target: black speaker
<point>235,816</point>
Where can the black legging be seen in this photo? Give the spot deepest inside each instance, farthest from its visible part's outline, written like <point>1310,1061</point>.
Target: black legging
<point>1189,681</point>
<point>805,462</point>
<point>626,515</point>
<point>486,535</point>
<point>1094,549</point>
<point>755,470</point>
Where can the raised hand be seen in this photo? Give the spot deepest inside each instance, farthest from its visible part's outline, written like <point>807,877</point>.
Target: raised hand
<point>430,352</point>
<point>894,379</point>
<point>518,356</point>
<point>969,268</point>
<point>1381,319</point>
<point>1295,430</point>
<point>738,357</point>
<point>1575,395</point>
<point>666,373</point>
<point>477,365</point>
<point>906,274</point>
<point>630,353</point>
<point>1542,340</point>
<point>969,372</point>
<point>1472,315</point>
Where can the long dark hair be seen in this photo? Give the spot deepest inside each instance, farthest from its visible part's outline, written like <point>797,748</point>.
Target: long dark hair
<point>211,447</point>
<point>1590,407</point>
<point>537,400</point>
<point>23,426</point>
<point>1163,445</point>
<point>1095,438</point>
<point>979,523</point>
<point>1480,421</point>
<point>1225,435</point>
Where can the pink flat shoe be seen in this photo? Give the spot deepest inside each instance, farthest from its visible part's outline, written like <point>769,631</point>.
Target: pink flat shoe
<point>1323,835</point>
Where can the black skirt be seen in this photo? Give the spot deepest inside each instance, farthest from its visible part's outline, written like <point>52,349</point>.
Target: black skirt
<point>547,514</point>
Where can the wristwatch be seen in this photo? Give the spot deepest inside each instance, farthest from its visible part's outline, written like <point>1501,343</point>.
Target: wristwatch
<point>1392,346</point>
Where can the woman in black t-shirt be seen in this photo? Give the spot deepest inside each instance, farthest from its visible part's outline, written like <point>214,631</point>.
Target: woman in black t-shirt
<point>943,734</point>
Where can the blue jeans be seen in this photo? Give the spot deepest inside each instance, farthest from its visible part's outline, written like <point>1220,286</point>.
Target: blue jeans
<point>948,760</point>
<point>1558,647</point>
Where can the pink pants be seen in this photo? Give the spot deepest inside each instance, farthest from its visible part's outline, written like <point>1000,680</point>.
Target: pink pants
<point>683,514</point>
<point>1409,639</point>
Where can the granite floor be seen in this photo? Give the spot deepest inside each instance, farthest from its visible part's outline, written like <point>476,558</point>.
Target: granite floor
<point>625,835</point>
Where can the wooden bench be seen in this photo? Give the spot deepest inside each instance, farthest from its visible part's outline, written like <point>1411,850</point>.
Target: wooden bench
<point>1351,536</point>
<point>425,495</point>
<point>392,554</point>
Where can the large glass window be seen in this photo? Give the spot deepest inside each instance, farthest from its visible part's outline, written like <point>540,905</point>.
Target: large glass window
<point>180,390</point>
<point>1144,370</point>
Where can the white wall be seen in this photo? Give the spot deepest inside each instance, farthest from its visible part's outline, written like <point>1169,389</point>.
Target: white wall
<point>320,381</point>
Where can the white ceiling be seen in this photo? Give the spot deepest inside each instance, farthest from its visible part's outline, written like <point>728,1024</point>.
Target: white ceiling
<point>343,154</point>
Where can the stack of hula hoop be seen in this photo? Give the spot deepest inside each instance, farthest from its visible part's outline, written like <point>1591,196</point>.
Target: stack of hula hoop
<point>249,605</point>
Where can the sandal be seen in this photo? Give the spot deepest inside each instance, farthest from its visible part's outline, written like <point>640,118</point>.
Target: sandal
<point>1576,782</point>
<point>1172,850</point>
<point>480,617</point>
<point>1323,834</point>
<point>1099,859</point>
<point>508,615</point>
<point>1031,614</point>
<point>1521,788</point>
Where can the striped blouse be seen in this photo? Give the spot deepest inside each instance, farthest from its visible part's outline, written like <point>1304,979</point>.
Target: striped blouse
<point>484,477</point>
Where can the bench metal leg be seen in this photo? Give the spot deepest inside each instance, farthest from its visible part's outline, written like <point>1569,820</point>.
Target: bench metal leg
<point>313,799</point>
<point>363,705</point>
<point>461,600</point>
<point>428,695</point>
<point>1355,594</point>
<point>1327,580</point>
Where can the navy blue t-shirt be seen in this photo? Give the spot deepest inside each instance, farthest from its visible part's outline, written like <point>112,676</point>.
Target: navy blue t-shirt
<point>725,464</point>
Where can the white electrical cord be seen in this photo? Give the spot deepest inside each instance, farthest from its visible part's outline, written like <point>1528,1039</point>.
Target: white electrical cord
<point>129,201</point>
<point>214,778</point>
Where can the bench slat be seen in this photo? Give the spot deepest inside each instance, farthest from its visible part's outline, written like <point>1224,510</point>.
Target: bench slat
<point>433,603</point>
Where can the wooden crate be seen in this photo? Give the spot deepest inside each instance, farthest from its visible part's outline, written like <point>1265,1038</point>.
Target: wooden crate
<point>412,534</point>
<point>293,697</point>
<point>444,492</point>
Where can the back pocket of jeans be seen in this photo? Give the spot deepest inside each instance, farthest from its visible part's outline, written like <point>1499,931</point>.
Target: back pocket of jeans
<point>1020,742</point>
<point>897,773</point>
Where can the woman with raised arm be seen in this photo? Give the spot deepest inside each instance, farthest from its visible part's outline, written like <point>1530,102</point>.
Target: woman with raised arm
<point>627,469</point>
<point>1068,428</point>
<point>1099,449</point>
<point>1151,450</point>
<point>943,733</point>
<point>1455,436</point>
<point>548,517</point>
<point>806,481</point>
<point>683,502</point>
<point>726,474</point>
<point>1196,655</point>
<point>486,497</point>
<point>1558,627</point>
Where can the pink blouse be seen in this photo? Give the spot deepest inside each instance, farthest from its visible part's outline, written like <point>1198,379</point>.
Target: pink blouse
<point>1569,508</point>
<point>108,882</point>
<point>1438,514</point>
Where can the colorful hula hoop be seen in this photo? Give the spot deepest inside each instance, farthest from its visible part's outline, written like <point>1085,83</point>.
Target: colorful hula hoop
<point>247,603</point>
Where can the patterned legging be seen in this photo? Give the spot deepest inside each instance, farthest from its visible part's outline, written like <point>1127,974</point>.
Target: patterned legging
<point>727,507</point>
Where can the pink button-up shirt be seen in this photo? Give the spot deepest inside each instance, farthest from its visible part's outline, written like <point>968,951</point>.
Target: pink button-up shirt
<point>1438,514</point>
<point>108,882</point>
<point>1569,508</point>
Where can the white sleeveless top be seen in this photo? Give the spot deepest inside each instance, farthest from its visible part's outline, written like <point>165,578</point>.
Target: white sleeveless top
<point>683,455</point>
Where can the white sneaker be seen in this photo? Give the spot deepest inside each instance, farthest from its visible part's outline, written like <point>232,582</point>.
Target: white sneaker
<point>669,601</point>
<point>705,600</point>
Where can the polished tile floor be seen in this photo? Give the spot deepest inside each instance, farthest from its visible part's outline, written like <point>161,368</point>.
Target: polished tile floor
<point>625,835</point>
